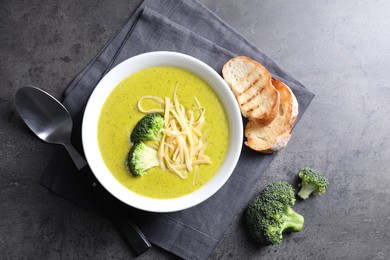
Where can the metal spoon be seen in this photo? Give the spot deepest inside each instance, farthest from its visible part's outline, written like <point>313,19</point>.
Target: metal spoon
<point>48,119</point>
<point>51,122</point>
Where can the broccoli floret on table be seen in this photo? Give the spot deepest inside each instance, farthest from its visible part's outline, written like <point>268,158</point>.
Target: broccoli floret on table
<point>148,128</point>
<point>270,213</point>
<point>141,158</point>
<point>279,191</point>
<point>313,182</point>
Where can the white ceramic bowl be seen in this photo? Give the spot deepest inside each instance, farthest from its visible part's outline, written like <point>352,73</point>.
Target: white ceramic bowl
<point>103,90</point>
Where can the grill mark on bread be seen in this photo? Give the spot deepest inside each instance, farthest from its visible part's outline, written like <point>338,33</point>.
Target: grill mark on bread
<point>253,95</point>
<point>251,109</point>
<point>249,99</point>
<point>251,84</point>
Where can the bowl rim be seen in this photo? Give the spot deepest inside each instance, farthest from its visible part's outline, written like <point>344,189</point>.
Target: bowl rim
<point>102,91</point>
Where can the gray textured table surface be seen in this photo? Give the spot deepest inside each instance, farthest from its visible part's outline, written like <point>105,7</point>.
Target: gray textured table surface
<point>339,49</point>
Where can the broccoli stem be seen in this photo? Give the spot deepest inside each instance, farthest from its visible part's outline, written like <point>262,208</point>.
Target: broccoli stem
<point>306,190</point>
<point>292,220</point>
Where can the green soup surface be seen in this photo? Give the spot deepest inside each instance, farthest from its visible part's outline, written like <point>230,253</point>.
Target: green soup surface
<point>120,114</point>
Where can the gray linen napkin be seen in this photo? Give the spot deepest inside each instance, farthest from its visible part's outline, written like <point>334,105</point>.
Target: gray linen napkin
<point>187,27</point>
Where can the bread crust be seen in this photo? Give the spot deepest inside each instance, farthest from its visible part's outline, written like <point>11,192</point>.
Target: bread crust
<point>252,86</point>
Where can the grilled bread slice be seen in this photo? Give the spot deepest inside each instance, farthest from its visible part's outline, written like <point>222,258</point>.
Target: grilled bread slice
<point>274,136</point>
<point>251,84</point>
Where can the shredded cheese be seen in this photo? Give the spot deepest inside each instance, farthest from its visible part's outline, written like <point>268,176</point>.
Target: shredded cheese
<point>157,99</point>
<point>181,149</point>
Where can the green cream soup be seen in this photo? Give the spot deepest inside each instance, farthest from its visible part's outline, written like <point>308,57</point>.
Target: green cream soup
<point>120,114</point>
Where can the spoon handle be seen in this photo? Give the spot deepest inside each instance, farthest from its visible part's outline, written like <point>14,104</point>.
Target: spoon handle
<point>135,238</point>
<point>130,232</point>
<point>75,155</point>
